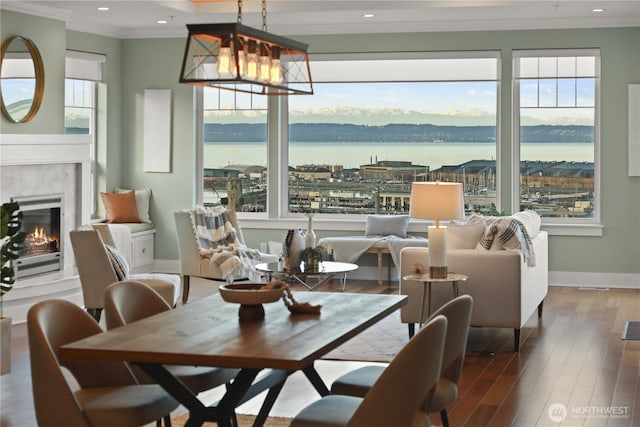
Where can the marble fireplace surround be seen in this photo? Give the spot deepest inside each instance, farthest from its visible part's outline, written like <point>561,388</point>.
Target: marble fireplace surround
<point>41,164</point>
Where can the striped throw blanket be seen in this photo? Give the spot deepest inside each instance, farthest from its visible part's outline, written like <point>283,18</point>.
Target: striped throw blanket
<point>510,233</point>
<point>219,241</point>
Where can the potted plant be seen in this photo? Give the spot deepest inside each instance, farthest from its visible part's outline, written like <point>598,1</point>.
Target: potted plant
<point>312,257</point>
<point>11,242</point>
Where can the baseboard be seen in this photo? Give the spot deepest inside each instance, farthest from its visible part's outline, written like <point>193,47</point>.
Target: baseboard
<point>594,280</point>
<point>556,278</point>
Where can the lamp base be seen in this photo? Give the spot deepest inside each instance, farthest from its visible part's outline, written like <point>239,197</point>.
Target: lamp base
<point>438,272</point>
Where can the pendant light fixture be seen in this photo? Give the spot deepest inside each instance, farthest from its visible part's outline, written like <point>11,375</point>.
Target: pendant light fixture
<point>243,59</point>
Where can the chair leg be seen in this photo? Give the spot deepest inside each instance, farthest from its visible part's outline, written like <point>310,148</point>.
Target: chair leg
<point>516,339</point>
<point>412,329</point>
<point>444,418</point>
<point>96,313</point>
<point>540,308</point>
<point>167,421</point>
<point>185,288</point>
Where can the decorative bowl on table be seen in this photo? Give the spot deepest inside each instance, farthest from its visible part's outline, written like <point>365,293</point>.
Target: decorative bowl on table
<point>250,296</point>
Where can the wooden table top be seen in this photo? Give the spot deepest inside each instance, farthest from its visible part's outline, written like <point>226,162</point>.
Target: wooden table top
<point>207,332</point>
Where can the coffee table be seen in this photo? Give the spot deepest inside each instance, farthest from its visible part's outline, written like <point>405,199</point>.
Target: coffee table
<point>327,271</point>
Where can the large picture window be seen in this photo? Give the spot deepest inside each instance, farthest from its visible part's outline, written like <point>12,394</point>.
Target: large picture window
<point>556,110</point>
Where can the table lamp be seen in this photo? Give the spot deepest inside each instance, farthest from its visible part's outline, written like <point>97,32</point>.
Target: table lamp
<point>437,201</point>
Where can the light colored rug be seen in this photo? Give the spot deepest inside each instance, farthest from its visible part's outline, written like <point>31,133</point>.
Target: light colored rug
<point>380,343</point>
<point>243,421</point>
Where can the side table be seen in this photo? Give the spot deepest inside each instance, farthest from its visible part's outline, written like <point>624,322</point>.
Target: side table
<point>427,280</point>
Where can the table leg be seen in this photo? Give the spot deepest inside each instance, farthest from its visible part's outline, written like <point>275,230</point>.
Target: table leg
<point>429,300</point>
<point>315,380</point>
<point>455,289</point>
<point>421,306</point>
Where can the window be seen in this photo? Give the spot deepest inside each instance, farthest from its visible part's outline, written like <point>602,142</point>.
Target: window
<point>83,71</point>
<point>358,143</point>
<point>555,116</point>
<point>234,153</point>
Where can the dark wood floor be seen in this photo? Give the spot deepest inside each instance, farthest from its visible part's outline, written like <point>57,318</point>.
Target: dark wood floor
<point>572,356</point>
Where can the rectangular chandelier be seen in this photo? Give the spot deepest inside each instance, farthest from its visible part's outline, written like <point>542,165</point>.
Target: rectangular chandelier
<point>240,58</point>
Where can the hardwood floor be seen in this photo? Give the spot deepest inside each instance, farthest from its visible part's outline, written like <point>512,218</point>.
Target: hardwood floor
<point>572,356</point>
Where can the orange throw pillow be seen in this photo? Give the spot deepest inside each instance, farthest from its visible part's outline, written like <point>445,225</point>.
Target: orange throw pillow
<point>120,207</point>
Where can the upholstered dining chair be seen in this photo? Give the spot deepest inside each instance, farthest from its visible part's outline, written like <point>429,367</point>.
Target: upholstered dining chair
<point>393,400</point>
<point>129,301</point>
<point>99,266</point>
<point>108,394</point>
<point>458,313</point>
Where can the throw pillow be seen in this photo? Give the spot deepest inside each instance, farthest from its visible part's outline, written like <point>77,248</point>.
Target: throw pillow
<point>118,261</point>
<point>463,235</point>
<point>531,221</point>
<point>387,225</point>
<point>120,207</point>
<point>143,201</point>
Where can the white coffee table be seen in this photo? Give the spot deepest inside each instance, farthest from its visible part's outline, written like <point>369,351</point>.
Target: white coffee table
<point>326,271</point>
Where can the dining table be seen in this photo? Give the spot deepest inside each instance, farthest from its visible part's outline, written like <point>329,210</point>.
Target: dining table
<point>209,332</point>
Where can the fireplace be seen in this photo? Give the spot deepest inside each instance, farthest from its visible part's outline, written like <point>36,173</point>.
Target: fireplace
<point>42,220</point>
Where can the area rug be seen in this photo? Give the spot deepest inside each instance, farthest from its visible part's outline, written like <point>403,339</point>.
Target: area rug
<point>380,343</point>
<point>243,421</point>
<point>631,330</point>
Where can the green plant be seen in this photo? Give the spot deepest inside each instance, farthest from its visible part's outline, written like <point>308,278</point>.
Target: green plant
<point>310,255</point>
<point>11,243</point>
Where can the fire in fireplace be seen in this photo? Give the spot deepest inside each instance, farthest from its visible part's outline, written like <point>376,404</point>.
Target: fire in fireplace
<point>42,221</point>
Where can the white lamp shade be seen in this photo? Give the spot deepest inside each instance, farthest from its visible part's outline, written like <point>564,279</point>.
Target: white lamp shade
<point>437,200</point>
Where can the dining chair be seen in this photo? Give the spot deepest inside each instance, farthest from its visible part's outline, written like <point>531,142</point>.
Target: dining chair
<point>128,301</point>
<point>106,393</point>
<point>97,264</point>
<point>458,313</point>
<point>394,398</point>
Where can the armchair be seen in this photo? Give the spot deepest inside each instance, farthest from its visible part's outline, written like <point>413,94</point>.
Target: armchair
<point>97,271</point>
<point>193,263</point>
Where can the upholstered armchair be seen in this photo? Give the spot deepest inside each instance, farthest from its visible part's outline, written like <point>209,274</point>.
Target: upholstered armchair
<point>193,263</point>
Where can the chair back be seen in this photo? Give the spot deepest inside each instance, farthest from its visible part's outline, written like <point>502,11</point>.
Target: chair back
<point>50,325</point>
<point>458,314</point>
<point>129,301</point>
<point>94,267</point>
<point>412,374</point>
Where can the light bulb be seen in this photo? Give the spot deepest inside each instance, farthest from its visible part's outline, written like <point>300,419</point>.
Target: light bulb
<point>265,68</point>
<point>242,63</point>
<point>224,66</point>
<point>276,66</point>
<point>252,61</point>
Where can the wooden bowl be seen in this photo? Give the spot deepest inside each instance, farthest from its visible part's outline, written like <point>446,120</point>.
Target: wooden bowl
<point>249,293</point>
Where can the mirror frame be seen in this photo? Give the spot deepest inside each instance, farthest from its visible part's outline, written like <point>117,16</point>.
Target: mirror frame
<point>39,73</point>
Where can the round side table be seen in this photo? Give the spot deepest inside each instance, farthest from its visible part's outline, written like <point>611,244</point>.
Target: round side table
<point>427,280</point>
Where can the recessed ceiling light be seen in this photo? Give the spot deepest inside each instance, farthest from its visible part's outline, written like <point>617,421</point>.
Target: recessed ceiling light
<point>598,10</point>
<point>161,21</point>
<point>103,8</point>
<point>368,15</point>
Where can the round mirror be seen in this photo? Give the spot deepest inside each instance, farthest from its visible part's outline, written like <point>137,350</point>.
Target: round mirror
<point>21,79</point>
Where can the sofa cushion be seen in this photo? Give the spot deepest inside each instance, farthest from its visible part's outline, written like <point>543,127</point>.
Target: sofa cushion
<point>463,235</point>
<point>120,207</point>
<point>143,200</point>
<point>387,225</point>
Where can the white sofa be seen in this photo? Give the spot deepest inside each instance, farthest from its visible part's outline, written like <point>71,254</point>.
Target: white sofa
<point>505,289</point>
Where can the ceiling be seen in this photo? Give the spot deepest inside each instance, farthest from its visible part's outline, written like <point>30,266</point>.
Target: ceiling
<point>134,19</point>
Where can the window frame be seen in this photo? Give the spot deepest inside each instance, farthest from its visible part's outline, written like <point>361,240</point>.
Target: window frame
<point>555,225</point>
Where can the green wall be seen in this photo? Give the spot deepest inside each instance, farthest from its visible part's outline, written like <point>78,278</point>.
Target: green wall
<point>134,65</point>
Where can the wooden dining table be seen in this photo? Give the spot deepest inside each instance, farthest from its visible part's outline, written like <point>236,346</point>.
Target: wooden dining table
<point>208,332</point>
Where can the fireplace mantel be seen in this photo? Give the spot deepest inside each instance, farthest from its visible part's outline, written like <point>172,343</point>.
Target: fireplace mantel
<point>41,149</point>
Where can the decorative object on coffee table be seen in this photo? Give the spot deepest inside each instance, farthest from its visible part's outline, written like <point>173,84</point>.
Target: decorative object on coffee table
<point>310,235</point>
<point>292,249</point>
<point>312,257</point>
